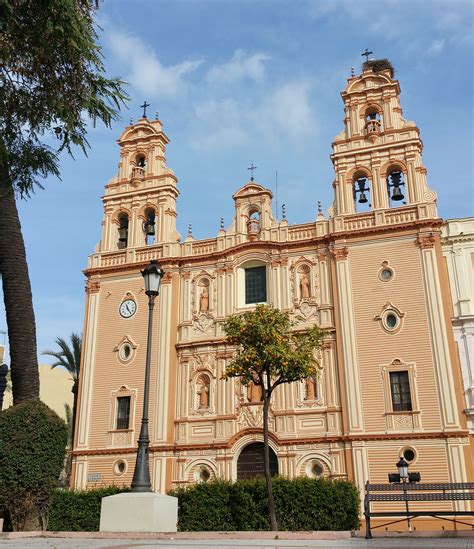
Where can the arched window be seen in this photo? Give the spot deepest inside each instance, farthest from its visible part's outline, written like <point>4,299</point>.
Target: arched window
<point>203,387</point>
<point>373,121</point>
<point>149,226</point>
<point>141,160</point>
<point>361,193</point>
<point>123,230</point>
<point>396,188</point>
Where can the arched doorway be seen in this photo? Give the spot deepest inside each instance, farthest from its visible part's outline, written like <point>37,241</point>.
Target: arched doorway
<point>250,462</point>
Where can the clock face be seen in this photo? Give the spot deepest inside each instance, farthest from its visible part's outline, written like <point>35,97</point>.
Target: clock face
<point>128,308</point>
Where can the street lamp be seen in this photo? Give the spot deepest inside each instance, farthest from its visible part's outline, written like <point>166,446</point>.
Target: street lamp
<point>141,476</point>
<point>402,467</point>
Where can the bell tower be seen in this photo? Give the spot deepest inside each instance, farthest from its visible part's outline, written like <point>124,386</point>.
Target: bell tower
<point>140,201</point>
<point>377,157</point>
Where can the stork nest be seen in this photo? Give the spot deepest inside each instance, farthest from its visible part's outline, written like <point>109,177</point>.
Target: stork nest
<point>378,65</point>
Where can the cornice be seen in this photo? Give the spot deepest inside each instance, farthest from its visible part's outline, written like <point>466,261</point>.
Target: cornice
<point>227,445</point>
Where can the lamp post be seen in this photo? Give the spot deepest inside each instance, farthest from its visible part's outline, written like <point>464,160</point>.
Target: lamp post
<point>141,475</point>
<point>402,467</point>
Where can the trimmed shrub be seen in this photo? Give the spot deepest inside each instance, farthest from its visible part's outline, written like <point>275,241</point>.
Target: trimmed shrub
<point>301,504</point>
<point>32,449</point>
<point>78,511</point>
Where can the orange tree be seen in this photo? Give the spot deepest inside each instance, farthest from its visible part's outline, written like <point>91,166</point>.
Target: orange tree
<point>270,352</point>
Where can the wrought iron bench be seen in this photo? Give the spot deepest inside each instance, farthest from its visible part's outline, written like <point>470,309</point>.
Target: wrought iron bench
<point>410,491</point>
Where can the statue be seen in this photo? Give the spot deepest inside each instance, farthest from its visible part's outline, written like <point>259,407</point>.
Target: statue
<point>310,388</point>
<point>204,395</point>
<point>204,300</point>
<point>304,286</point>
<point>254,392</point>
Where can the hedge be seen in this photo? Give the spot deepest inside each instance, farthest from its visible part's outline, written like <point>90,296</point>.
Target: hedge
<point>32,451</point>
<point>301,504</point>
<point>78,511</point>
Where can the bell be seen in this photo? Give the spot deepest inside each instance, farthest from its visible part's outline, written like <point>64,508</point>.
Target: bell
<point>397,194</point>
<point>123,232</point>
<point>150,228</point>
<point>362,198</point>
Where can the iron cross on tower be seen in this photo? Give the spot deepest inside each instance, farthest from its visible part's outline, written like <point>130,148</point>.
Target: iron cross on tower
<point>252,168</point>
<point>366,53</point>
<point>144,106</point>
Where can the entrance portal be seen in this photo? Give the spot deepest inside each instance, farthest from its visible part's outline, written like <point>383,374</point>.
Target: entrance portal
<point>250,462</point>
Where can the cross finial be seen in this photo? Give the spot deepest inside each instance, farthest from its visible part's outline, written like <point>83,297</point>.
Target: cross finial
<point>144,106</point>
<point>252,168</point>
<point>366,53</point>
<point>283,211</point>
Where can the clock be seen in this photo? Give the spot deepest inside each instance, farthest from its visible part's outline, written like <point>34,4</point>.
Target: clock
<point>128,308</point>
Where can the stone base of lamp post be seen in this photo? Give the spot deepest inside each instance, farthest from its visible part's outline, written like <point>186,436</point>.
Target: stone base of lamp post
<point>139,512</point>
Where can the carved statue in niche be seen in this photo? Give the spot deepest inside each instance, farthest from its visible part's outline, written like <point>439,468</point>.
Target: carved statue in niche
<point>204,297</point>
<point>311,388</point>
<point>305,290</point>
<point>203,392</point>
<point>254,392</point>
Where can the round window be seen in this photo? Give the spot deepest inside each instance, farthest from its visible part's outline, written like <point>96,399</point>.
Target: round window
<point>391,321</point>
<point>409,454</point>
<point>120,467</point>
<point>386,274</point>
<point>317,470</point>
<point>125,352</point>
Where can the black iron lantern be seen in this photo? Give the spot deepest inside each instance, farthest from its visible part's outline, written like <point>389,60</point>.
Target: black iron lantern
<point>402,467</point>
<point>152,275</point>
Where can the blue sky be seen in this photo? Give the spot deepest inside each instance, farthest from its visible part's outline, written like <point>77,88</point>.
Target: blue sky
<point>259,81</point>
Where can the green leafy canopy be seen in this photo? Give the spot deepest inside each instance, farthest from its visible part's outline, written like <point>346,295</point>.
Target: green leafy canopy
<point>269,349</point>
<point>52,83</point>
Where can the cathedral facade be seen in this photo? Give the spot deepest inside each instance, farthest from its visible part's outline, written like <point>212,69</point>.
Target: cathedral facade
<point>370,273</point>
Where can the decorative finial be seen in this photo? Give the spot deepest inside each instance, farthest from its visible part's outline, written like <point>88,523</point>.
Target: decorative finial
<point>222,223</point>
<point>131,121</point>
<point>352,71</point>
<point>366,53</point>
<point>190,230</point>
<point>144,107</point>
<point>320,209</point>
<point>283,212</point>
<point>157,115</point>
<point>252,168</point>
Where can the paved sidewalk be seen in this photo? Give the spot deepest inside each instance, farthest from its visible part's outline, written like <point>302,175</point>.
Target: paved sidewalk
<point>129,543</point>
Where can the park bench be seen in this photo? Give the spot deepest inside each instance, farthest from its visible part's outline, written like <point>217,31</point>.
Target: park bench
<point>414,492</point>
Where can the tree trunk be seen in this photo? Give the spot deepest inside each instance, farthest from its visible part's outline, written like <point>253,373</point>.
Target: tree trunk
<point>266,459</point>
<point>18,299</point>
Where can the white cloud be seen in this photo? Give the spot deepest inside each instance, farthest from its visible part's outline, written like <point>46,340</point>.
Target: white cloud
<point>240,67</point>
<point>436,47</point>
<point>145,71</point>
<point>283,113</point>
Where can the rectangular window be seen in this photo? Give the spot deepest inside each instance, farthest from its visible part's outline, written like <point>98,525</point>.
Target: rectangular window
<point>256,285</point>
<point>400,389</point>
<point>123,412</point>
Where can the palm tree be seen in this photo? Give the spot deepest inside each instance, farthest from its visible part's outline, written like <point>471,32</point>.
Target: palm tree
<point>69,358</point>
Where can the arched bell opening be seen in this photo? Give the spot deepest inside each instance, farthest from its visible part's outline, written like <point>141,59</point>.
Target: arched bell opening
<point>361,189</point>
<point>149,226</point>
<point>250,463</point>
<point>373,121</point>
<point>122,230</point>
<point>396,188</point>
<point>253,223</point>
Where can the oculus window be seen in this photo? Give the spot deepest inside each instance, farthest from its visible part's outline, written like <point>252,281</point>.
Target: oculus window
<point>255,285</point>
